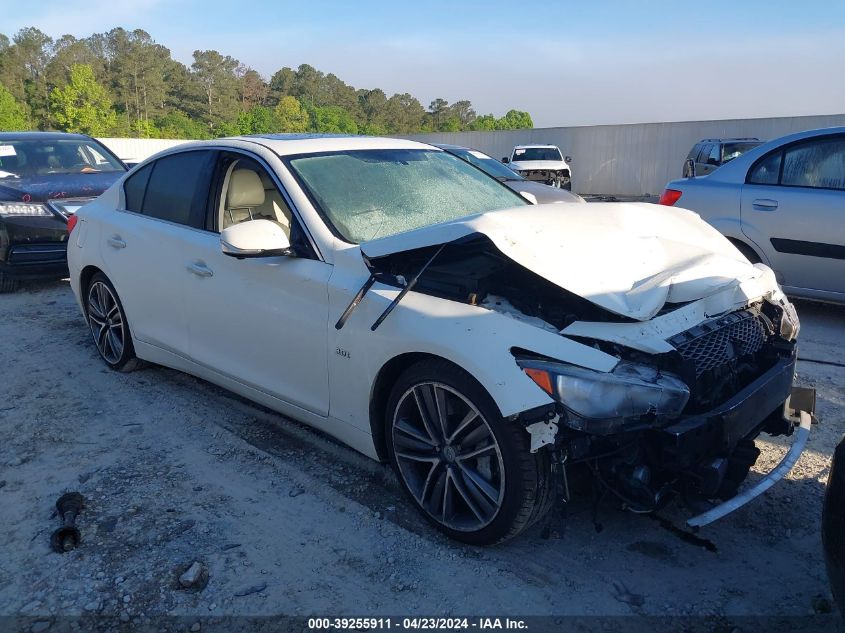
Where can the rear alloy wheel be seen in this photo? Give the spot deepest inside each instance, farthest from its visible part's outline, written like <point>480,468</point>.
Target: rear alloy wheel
<point>468,470</point>
<point>109,328</point>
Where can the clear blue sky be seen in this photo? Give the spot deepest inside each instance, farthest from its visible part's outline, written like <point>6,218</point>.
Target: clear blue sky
<point>567,63</point>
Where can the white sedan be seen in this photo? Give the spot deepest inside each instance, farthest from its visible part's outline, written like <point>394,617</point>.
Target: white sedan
<point>403,301</point>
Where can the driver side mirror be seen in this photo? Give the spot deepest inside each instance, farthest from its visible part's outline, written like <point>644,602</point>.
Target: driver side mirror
<point>505,160</point>
<point>690,168</point>
<point>255,238</point>
<point>567,159</point>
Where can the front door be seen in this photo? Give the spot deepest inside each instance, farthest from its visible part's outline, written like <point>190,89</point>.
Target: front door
<point>262,321</point>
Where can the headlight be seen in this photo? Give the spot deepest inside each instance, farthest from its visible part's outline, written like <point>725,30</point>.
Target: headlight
<point>15,209</point>
<point>605,403</point>
<point>790,326</point>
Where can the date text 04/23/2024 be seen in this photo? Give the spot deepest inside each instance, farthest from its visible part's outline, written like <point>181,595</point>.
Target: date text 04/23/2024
<point>417,623</point>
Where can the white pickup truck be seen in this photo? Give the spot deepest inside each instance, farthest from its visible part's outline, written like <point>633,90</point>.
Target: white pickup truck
<point>541,163</point>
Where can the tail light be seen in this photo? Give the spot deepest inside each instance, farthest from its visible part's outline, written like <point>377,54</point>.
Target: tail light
<point>670,197</point>
<point>71,223</point>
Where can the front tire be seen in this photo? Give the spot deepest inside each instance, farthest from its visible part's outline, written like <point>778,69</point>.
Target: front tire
<point>467,470</point>
<point>109,327</point>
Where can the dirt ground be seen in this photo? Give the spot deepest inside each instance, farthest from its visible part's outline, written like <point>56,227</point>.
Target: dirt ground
<point>286,521</point>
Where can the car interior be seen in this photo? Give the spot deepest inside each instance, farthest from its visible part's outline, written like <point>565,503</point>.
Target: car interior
<point>250,194</point>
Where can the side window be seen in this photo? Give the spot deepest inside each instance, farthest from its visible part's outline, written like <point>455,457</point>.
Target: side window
<point>178,187</point>
<point>766,170</point>
<point>818,163</point>
<point>134,188</point>
<point>704,153</point>
<point>715,157</point>
<point>245,191</point>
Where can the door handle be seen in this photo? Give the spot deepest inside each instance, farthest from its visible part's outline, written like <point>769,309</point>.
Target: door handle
<point>200,270</point>
<point>116,242</point>
<point>765,204</point>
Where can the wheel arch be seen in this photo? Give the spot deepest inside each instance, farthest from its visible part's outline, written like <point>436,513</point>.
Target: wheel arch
<point>382,386</point>
<point>85,276</point>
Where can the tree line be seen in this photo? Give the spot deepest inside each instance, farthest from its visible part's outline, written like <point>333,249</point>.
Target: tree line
<point>122,83</point>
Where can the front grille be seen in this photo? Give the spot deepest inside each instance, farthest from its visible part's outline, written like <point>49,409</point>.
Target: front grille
<point>714,343</point>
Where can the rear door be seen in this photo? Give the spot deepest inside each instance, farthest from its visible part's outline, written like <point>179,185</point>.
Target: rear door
<point>793,206</point>
<point>143,244</point>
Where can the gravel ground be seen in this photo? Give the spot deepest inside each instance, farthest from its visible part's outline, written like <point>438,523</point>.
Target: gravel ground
<point>286,521</point>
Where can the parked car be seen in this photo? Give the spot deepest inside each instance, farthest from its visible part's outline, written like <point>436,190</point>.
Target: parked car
<point>781,204</point>
<point>44,178</point>
<point>541,163</point>
<point>711,153</point>
<point>833,526</point>
<point>540,193</point>
<point>396,297</point>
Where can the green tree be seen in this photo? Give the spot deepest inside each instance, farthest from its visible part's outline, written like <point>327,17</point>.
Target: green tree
<point>215,74</point>
<point>258,120</point>
<point>333,119</point>
<point>177,124</point>
<point>485,122</point>
<point>515,120</point>
<point>291,116</point>
<point>82,105</point>
<point>12,114</point>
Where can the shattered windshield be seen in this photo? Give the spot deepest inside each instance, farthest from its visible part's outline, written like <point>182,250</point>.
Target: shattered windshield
<point>486,164</point>
<point>26,158</point>
<point>536,153</point>
<point>365,194</point>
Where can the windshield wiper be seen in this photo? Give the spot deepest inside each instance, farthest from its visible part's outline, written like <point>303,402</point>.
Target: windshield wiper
<point>408,287</point>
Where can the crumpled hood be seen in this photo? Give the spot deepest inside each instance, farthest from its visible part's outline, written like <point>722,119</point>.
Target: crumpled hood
<point>629,258</point>
<point>538,164</point>
<point>46,187</point>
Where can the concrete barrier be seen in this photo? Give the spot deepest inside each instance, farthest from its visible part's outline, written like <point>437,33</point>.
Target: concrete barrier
<point>636,159</point>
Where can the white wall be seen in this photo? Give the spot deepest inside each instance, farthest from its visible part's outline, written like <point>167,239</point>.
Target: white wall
<point>635,159</point>
<point>137,149</point>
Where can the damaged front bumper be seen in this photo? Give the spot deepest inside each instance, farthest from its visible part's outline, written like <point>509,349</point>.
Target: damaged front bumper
<point>799,410</point>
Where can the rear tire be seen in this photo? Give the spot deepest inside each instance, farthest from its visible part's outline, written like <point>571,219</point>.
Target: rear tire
<point>109,327</point>
<point>466,469</point>
<point>7,284</point>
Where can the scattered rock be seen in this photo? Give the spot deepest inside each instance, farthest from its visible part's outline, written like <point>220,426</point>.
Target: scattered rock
<point>192,576</point>
<point>229,546</point>
<point>195,627</point>
<point>2,483</point>
<point>39,626</point>
<point>822,604</point>
<point>251,589</point>
<point>94,605</point>
<point>295,492</point>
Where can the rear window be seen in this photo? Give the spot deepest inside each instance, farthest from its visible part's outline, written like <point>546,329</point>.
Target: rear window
<point>173,188</point>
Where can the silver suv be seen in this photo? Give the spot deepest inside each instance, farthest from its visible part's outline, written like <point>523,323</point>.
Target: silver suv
<point>710,153</point>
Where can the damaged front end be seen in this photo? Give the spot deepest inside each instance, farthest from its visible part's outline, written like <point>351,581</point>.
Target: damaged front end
<point>683,422</point>
<point>704,342</point>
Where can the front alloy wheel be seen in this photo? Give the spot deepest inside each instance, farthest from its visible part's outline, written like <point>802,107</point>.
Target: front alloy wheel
<point>448,456</point>
<point>468,470</point>
<point>108,324</point>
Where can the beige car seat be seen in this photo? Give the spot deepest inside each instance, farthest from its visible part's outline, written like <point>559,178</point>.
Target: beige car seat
<point>247,199</point>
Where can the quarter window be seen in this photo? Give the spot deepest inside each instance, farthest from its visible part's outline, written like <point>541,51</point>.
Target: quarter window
<point>134,188</point>
<point>817,164</point>
<point>178,187</point>
<point>767,170</point>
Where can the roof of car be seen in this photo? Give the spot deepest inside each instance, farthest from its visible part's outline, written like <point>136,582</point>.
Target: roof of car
<point>533,145</point>
<point>41,136</point>
<point>748,139</point>
<point>287,144</point>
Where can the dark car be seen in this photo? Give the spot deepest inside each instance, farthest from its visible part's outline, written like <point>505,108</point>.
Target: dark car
<point>44,178</point>
<point>490,166</point>
<point>711,153</point>
<point>833,526</point>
